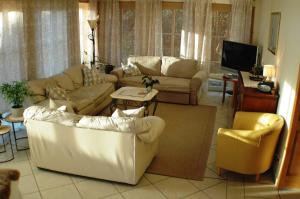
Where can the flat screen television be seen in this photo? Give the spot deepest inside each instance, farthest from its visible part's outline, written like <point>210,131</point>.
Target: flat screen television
<point>238,56</point>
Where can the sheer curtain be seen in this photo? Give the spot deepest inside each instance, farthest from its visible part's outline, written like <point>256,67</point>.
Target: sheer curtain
<point>52,36</point>
<point>109,41</point>
<point>241,20</point>
<point>196,31</point>
<point>148,27</point>
<point>38,38</point>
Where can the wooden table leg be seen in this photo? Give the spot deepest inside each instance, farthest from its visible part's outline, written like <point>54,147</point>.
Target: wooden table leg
<point>224,90</point>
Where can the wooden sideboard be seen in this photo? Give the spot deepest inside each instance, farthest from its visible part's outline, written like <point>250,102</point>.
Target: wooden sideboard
<point>252,100</point>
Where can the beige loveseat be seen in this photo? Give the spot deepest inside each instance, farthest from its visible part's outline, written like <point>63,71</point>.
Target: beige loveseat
<point>180,79</point>
<point>117,149</point>
<point>85,100</point>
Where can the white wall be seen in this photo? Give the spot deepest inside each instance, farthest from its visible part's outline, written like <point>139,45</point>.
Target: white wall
<point>287,59</point>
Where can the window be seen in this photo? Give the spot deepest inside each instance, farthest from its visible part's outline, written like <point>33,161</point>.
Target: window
<point>127,29</point>
<point>220,29</point>
<point>172,16</point>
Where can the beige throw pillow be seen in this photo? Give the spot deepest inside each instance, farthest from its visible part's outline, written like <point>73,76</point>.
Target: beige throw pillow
<point>177,67</point>
<point>91,77</point>
<point>130,70</point>
<point>57,93</point>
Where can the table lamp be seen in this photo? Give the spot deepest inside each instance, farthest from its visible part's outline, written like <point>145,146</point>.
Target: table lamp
<point>269,73</point>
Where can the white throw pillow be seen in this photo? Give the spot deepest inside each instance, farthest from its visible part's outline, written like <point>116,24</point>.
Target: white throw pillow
<point>139,112</point>
<point>120,124</point>
<point>61,105</point>
<point>130,70</point>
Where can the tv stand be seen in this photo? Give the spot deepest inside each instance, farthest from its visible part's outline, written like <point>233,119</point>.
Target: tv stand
<point>231,76</point>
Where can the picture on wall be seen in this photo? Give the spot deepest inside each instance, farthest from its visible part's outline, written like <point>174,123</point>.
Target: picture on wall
<point>274,32</point>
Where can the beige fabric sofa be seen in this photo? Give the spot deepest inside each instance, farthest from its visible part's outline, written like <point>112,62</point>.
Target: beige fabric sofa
<point>85,100</point>
<point>57,143</point>
<point>180,79</point>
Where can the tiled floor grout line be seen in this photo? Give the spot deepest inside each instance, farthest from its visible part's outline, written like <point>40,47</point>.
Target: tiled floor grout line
<point>164,195</point>
<point>28,159</point>
<point>77,189</point>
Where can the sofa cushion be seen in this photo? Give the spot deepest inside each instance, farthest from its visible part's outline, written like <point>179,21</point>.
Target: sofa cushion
<point>75,73</point>
<point>177,67</point>
<point>148,65</point>
<point>87,95</point>
<point>130,70</point>
<point>139,112</point>
<point>64,81</point>
<point>120,124</point>
<point>38,87</point>
<point>57,93</point>
<point>91,77</point>
<point>166,83</point>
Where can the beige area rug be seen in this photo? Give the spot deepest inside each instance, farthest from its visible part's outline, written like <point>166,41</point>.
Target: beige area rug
<point>185,142</point>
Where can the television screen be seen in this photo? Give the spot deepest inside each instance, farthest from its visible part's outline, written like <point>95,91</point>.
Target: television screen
<point>238,56</point>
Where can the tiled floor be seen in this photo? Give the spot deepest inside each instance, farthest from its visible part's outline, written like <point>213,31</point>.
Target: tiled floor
<point>36,183</point>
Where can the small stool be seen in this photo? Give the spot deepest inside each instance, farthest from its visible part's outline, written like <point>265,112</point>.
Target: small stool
<point>3,131</point>
<point>13,121</point>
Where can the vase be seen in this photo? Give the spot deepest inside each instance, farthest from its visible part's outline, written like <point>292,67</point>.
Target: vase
<point>17,112</point>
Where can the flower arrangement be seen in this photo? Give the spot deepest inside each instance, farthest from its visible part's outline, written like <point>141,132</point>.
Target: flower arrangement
<point>148,82</point>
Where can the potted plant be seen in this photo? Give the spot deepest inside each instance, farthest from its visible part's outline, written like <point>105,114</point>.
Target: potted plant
<point>15,94</point>
<point>148,82</point>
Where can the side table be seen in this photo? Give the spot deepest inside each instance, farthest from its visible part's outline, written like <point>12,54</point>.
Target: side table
<point>13,121</point>
<point>234,92</point>
<point>3,131</point>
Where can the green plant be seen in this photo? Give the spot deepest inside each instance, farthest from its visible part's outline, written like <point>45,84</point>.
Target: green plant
<point>147,81</point>
<point>15,93</point>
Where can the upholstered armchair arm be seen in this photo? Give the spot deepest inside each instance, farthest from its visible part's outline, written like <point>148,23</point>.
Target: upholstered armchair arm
<point>118,72</point>
<point>198,79</point>
<point>243,136</point>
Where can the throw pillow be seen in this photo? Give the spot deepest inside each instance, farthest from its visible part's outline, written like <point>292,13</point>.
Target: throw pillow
<point>57,93</point>
<point>91,77</point>
<point>130,70</point>
<point>139,112</point>
<point>61,105</point>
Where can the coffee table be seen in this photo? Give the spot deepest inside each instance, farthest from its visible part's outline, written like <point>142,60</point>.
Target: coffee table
<point>137,95</point>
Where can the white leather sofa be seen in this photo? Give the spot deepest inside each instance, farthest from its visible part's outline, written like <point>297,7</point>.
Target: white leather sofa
<point>180,79</point>
<point>58,143</point>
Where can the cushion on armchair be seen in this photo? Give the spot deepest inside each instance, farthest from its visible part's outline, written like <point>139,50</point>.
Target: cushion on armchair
<point>177,67</point>
<point>148,65</point>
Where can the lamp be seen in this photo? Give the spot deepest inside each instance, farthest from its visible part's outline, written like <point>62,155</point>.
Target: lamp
<point>269,72</point>
<point>93,25</point>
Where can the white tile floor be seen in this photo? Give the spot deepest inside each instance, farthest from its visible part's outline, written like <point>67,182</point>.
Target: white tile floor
<point>36,183</point>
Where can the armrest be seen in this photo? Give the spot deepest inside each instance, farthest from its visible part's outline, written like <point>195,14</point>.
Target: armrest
<point>157,127</point>
<point>118,72</point>
<point>243,136</point>
<point>110,78</point>
<point>198,79</point>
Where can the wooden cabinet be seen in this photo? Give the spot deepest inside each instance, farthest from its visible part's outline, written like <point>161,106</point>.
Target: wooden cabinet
<point>252,100</point>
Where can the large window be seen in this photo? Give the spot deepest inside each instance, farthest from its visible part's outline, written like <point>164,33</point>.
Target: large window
<point>127,29</point>
<point>172,15</point>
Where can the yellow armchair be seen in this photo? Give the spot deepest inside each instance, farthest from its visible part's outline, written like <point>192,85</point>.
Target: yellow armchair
<point>249,147</point>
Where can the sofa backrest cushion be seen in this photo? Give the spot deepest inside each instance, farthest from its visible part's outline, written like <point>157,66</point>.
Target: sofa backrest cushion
<point>75,73</point>
<point>177,67</point>
<point>148,65</point>
<point>38,86</point>
<point>64,81</point>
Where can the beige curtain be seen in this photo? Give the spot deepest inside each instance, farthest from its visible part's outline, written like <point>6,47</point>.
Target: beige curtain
<point>148,27</point>
<point>38,38</point>
<point>241,20</point>
<point>109,40</point>
<point>196,31</point>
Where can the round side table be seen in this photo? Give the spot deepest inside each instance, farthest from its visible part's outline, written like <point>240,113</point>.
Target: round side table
<point>13,121</point>
<point>3,131</point>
